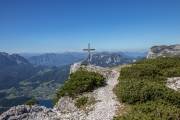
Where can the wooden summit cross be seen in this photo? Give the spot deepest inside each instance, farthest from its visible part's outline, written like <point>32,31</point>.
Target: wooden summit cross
<point>89,49</point>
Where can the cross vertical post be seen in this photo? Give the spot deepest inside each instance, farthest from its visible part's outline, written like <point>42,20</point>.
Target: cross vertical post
<point>89,49</point>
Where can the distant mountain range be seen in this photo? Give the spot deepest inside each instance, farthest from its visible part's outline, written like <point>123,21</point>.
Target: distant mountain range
<point>11,60</point>
<point>56,59</point>
<point>110,59</point>
<point>104,59</point>
<point>107,59</point>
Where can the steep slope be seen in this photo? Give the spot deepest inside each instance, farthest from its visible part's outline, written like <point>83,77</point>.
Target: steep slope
<point>164,51</point>
<point>10,60</point>
<point>13,69</point>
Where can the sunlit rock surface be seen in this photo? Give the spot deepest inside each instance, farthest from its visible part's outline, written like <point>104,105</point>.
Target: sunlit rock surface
<point>174,83</point>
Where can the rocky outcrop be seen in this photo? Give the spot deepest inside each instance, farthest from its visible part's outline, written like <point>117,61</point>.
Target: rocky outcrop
<point>164,51</point>
<point>66,110</point>
<point>25,112</point>
<point>74,67</point>
<point>63,110</point>
<point>103,71</point>
<point>174,83</point>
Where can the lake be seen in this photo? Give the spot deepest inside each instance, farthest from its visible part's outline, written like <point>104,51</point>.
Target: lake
<point>46,103</point>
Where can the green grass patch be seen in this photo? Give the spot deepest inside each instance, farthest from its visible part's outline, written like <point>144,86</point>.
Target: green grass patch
<point>152,110</point>
<point>31,102</point>
<point>82,101</point>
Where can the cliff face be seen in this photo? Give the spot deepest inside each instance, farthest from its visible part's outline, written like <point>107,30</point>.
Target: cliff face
<point>164,51</point>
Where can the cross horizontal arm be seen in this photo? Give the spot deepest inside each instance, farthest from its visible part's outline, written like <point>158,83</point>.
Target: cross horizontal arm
<point>89,49</point>
<point>92,49</point>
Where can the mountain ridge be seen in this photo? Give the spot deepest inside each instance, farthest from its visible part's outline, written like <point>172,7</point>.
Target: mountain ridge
<point>56,59</point>
<point>164,51</point>
<point>11,59</point>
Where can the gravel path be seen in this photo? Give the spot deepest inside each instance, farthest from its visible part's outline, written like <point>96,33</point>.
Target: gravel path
<point>107,103</point>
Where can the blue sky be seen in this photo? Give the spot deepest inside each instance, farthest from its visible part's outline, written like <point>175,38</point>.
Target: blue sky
<point>68,25</point>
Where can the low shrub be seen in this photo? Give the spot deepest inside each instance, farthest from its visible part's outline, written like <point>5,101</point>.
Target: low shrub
<point>133,91</point>
<point>173,72</point>
<point>31,102</point>
<point>82,101</point>
<point>152,110</point>
<point>79,82</point>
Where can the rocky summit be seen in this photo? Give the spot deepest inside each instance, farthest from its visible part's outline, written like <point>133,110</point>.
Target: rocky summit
<point>164,51</point>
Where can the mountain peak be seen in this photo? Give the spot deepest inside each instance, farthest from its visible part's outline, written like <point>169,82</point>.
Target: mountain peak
<point>164,51</point>
<point>9,60</point>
